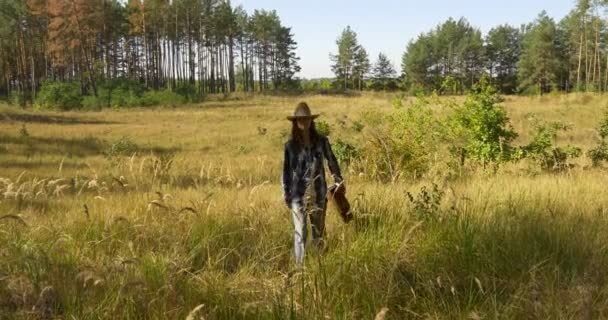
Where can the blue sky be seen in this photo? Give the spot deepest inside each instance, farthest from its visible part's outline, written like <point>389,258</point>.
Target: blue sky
<point>388,25</point>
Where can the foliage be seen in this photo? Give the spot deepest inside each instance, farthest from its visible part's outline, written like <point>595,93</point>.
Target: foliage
<point>164,98</point>
<point>600,152</point>
<point>480,127</point>
<point>124,146</point>
<point>323,127</point>
<point>453,48</point>
<point>188,92</point>
<point>450,86</point>
<point>542,148</point>
<point>502,53</point>
<point>345,152</point>
<point>59,95</point>
<point>351,63</point>
<point>384,74</point>
<point>402,143</point>
<point>18,99</point>
<point>539,64</point>
<point>358,126</point>
<point>157,44</point>
<point>426,205</point>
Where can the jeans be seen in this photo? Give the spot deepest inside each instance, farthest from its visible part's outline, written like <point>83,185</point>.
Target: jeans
<point>300,220</point>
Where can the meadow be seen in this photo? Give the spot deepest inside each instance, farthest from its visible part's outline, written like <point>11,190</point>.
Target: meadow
<point>177,213</point>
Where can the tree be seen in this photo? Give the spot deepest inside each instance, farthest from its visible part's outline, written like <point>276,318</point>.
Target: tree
<point>361,67</point>
<point>189,46</point>
<point>350,53</point>
<point>503,50</point>
<point>384,73</point>
<point>453,49</point>
<point>539,64</point>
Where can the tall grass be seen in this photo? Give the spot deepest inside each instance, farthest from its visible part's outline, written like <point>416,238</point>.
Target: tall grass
<point>130,237</point>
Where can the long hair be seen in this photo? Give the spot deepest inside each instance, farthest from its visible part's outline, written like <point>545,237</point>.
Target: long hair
<point>297,135</point>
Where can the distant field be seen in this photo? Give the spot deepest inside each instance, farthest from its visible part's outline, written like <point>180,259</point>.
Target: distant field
<point>149,213</point>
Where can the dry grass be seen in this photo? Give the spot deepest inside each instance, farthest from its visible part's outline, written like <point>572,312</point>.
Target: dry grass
<point>204,234</point>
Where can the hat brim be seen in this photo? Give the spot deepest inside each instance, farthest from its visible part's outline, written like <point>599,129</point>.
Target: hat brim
<point>292,118</point>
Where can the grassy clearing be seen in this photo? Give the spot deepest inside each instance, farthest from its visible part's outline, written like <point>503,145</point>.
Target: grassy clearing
<point>195,218</point>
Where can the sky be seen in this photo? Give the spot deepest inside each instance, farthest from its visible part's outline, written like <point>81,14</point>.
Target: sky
<point>388,25</point>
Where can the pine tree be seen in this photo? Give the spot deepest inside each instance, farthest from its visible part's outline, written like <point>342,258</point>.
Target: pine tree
<point>361,67</point>
<point>503,50</point>
<point>453,49</point>
<point>384,73</point>
<point>539,64</point>
<point>344,61</point>
<point>183,45</point>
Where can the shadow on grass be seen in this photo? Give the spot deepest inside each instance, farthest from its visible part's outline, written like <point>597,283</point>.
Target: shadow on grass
<point>72,147</point>
<point>526,264</point>
<point>46,119</point>
<point>79,147</point>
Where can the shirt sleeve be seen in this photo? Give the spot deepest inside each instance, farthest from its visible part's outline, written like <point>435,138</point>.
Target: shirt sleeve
<point>286,176</point>
<point>332,162</point>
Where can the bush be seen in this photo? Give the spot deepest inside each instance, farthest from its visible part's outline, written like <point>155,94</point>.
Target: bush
<point>542,149</point>
<point>426,205</point>
<point>92,103</point>
<point>121,147</point>
<point>358,126</point>
<point>323,127</point>
<point>481,129</point>
<point>165,98</point>
<point>403,142</point>
<point>600,153</point>
<point>59,95</point>
<point>345,152</point>
<point>18,99</point>
<point>188,92</point>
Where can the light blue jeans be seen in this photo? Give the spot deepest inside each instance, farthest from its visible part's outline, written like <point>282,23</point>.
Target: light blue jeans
<point>300,223</point>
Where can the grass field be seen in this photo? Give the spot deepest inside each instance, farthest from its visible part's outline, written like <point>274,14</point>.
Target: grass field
<point>191,223</point>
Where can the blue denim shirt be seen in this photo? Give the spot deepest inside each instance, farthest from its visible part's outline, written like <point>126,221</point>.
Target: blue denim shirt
<point>301,165</point>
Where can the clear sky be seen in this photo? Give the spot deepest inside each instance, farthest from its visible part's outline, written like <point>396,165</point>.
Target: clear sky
<point>388,25</point>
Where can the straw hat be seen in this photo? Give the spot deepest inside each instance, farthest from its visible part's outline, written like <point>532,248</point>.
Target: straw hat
<point>302,111</point>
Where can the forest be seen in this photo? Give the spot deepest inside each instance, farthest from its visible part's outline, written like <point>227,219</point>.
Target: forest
<point>190,47</point>
<point>97,53</point>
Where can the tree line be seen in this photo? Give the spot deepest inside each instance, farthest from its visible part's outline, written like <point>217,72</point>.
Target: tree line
<point>538,57</point>
<point>208,46</point>
<point>198,47</point>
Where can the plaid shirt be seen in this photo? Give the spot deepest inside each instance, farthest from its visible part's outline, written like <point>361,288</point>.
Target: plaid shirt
<point>303,166</point>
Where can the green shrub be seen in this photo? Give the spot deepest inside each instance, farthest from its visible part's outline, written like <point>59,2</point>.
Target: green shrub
<point>426,205</point>
<point>542,149</point>
<point>600,153</point>
<point>18,99</point>
<point>450,86</point>
<point>122,97</point>
<point>188,92</point>
<point>480,127</point>
<point>59,95</point>
<point>121,147</point>
<point>404,142</point>
<point>358,126</point>
<point>92,103</point>
<point>346,152</point>
<point>165,98</point>
<point>323,127</point>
